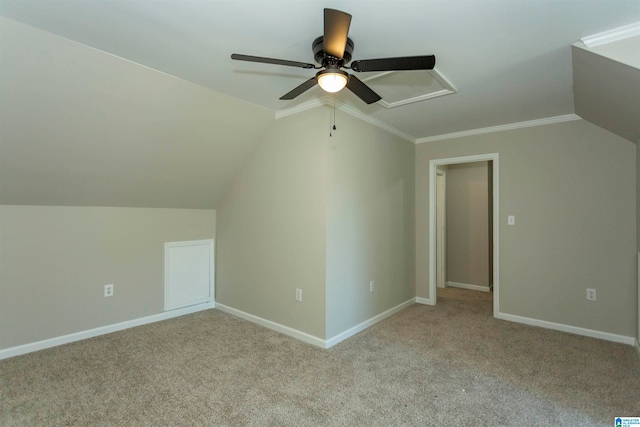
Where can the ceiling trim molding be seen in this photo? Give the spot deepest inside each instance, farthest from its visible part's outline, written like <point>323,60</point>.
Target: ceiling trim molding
<point>500,128</point>
<point>327,100</point>
<point>367,118</point>
<point>610,36</point>
<point>448,89</point>
<point>437,94</point>
<point>309,105</point>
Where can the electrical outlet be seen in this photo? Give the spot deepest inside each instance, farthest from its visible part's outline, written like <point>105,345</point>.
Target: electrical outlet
<point>511,220</point>
<point>591,294</point>
<point>108,290</point>
<point>299,295</point>
<point>372,286</point>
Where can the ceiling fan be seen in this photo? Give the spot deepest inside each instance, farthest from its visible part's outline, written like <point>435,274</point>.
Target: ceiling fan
<point>333,51</point>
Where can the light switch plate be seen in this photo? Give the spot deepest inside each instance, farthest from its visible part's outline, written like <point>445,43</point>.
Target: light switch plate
<point>511,220</point>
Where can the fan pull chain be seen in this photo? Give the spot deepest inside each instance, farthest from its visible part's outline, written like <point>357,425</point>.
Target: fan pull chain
<point>334,114</point>
<point>334,117</point>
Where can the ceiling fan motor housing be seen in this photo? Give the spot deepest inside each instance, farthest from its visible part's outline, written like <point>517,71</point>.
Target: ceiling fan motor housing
<point>333,52</point>
<point>325,59</point>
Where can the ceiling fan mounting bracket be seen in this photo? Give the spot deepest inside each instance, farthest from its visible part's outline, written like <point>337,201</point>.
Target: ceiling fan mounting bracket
<point>321,56</point>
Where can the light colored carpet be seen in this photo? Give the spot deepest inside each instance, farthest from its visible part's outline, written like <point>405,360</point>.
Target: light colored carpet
<point>453,364</point>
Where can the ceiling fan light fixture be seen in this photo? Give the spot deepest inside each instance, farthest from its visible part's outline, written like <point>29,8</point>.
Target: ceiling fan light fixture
<point>332,80</point>
<point>332,50</point>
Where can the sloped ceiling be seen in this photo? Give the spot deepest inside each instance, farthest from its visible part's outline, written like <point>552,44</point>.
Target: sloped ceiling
<point>509,61</point>
<point>137,103</point>
<point>607,86</point>
<point>81,128</point>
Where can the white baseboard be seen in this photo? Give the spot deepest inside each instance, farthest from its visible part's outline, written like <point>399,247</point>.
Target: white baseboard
<point>467,286</point>
<point>426,301</point>
<point>567,328</point>
<point>302,336</point>
<point>367,323</point>
<point>102,330</point>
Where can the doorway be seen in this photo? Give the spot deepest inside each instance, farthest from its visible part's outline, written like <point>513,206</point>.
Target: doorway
<point>441,228</point>
<point>437,257</point>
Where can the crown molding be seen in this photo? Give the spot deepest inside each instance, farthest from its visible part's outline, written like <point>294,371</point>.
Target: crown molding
<point>309,105</point>
<point>510,126</point>
<point>326,100</point>
<point>610,36</point>
<point>367,118</point>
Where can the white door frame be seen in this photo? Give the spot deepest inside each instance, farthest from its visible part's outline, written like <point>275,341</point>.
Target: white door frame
<point>433,166</point>
<point>441,225</point>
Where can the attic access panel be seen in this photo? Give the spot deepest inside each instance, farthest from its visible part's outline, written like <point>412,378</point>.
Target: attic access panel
<point>406,87</point>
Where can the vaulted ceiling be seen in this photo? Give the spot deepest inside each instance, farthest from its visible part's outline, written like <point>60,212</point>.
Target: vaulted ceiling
<point>138,103</point>
<point>606,85</point>
<point>508,61</point>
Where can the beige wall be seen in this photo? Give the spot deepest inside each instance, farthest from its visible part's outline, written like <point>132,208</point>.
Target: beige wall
<point>626,51</point>
<point>572,189</point>
<point>323,214</point>
<point>55,261</point>
<point>271,227</point>
<point>606,92</point>
<point>370,223</point>
<point>80,127</point>
<point>467,201</point>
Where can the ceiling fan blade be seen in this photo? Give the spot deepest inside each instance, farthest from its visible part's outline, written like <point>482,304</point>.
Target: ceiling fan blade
<point>363,91</point>
<point>336,30</point>
<point>426,62</point>
<point>250,58</point>
<point>300,89</point>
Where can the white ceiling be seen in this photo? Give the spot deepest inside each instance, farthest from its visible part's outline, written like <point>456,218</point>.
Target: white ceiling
<point>509,61</point>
